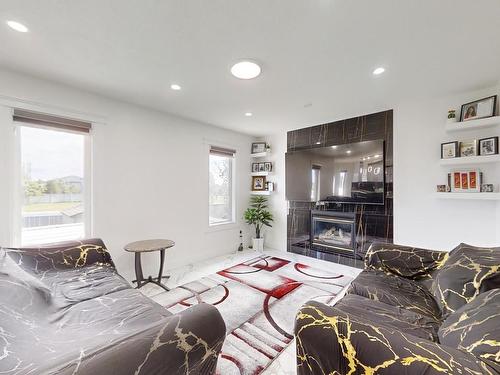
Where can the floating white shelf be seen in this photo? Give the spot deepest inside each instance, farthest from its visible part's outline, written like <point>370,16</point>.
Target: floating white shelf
<point>469,196</point>
<point>473,124</point>
<point>260,154</point>
<point>468,160</point>
<point>260,173</point>
<point>261,192</point>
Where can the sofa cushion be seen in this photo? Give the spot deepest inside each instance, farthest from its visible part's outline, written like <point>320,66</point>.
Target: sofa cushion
<point>475,327</point>
<point>396,291</point>
<point>467,272</point>
<point>61,256</point>
<point>382,314</point>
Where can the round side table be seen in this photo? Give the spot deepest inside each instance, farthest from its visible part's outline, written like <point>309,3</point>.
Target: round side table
<point>148,246</point>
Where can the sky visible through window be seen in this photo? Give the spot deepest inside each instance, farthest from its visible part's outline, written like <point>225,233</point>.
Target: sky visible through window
<point>53,184</point>
<point>50,154</point>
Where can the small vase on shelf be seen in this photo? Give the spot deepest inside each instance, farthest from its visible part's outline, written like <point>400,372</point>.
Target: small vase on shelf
<point>451,116</point>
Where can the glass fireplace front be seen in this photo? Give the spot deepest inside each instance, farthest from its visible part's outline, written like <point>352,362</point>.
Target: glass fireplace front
<point>333,232</point>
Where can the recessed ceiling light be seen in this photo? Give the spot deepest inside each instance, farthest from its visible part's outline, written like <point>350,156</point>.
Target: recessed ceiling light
<point>376,156</point>
<point>318,143</point>
<point>175,86</point>
<point>248,114</point>
<point>378,71</point>
<point>334,147</point>
<point>17,26</point>
<point>245,70</point>
<point>348,151</point>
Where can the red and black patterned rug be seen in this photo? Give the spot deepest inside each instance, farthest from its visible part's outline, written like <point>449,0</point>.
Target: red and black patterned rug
<point>258,300</point>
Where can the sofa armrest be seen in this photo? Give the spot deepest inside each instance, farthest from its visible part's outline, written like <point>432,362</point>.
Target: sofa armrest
<point>61,256</point>
<point>329,341</point>
<point>404,261</point>
<point>181,344</point>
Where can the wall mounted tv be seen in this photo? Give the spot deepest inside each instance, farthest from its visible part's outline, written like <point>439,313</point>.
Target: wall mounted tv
<point>349,173</point>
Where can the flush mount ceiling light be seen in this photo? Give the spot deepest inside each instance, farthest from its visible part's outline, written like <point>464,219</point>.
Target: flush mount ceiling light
<point>348,151</point>
<point>245,69</point>
<point>17,26</point>
<point>175,87</point>
<point>334,147</point>
<point>248,114</point>
<point>378,71</point>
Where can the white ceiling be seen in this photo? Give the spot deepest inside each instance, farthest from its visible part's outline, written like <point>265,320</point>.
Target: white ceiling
<point>311,51</point>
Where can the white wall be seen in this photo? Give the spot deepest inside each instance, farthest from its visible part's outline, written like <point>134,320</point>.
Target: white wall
<point>275,237</point>
<point>419,218</point>
<point>150,172</point>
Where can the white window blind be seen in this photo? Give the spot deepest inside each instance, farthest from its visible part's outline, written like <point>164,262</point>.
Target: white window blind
<point>215,150</point>
<point>43,119</point>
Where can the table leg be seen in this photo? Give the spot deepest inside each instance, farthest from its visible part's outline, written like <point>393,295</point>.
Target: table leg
<point>138,270</point>
<point>162,261</point>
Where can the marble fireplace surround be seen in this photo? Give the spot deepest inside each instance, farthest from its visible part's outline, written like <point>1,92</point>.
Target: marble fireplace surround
<point>373,223</point>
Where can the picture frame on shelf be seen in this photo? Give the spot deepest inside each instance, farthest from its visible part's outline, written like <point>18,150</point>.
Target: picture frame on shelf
<point>449,150</point>
<point>478,109</point>
<point>255,167</point>
<point>466,181</point>
<point>268,166</point>
<point>474,181</point>
<point>487,188</point>
<point>488,146</point>
<point>258,147</point>
<point>262,167</point>
<point>441,188</point>
<point>258,183</point>
<point>468,148</point>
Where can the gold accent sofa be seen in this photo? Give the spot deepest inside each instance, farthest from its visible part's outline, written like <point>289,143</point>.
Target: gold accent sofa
<point>411,311</point>
<point>64,309</point>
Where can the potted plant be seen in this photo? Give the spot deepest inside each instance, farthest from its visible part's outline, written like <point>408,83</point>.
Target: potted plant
<point>258,215</point>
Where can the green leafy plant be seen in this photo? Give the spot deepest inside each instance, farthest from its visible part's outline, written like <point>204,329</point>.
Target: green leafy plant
<point>258,215</point>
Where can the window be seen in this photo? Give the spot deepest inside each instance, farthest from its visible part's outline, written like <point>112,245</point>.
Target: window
<point>221,208</point>
<point>53,182</point>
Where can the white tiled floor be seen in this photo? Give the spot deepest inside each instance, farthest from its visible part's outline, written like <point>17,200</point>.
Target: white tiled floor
<point>285,363</point>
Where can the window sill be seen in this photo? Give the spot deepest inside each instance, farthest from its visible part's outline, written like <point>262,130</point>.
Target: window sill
<point>222,226</point>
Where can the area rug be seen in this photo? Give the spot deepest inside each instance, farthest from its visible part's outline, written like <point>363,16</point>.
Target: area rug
<point>258,300</point>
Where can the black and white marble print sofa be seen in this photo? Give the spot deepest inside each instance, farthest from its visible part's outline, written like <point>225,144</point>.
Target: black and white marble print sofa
<point>64,309</point>
<point>411,311</point>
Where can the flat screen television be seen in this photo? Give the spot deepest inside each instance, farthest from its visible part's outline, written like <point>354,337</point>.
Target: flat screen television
<point>350,173</point>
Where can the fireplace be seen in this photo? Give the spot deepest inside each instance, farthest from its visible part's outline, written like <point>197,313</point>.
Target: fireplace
<point>332,230</point>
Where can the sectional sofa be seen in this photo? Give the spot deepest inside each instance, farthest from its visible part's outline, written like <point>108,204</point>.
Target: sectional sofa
<point>411,311</point>
<point>64,309</point>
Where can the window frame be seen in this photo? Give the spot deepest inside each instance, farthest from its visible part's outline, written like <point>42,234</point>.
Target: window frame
<point>17,187</point>
<point>234,220</point>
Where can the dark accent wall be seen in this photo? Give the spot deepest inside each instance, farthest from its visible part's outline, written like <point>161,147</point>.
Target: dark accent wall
<point>374,223</point>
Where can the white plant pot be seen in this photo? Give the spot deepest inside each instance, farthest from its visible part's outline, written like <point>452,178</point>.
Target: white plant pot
<point>258,244</point>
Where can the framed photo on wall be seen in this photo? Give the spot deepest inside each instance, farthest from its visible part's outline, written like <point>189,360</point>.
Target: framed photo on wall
<point>479,109</point>
<point>258,147</point>
<point>488,146</point>
<point>258,183</point>
<point>255,167</point>
<point>449,150</point>
<point>468,148</point>
<point>268,166</point>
